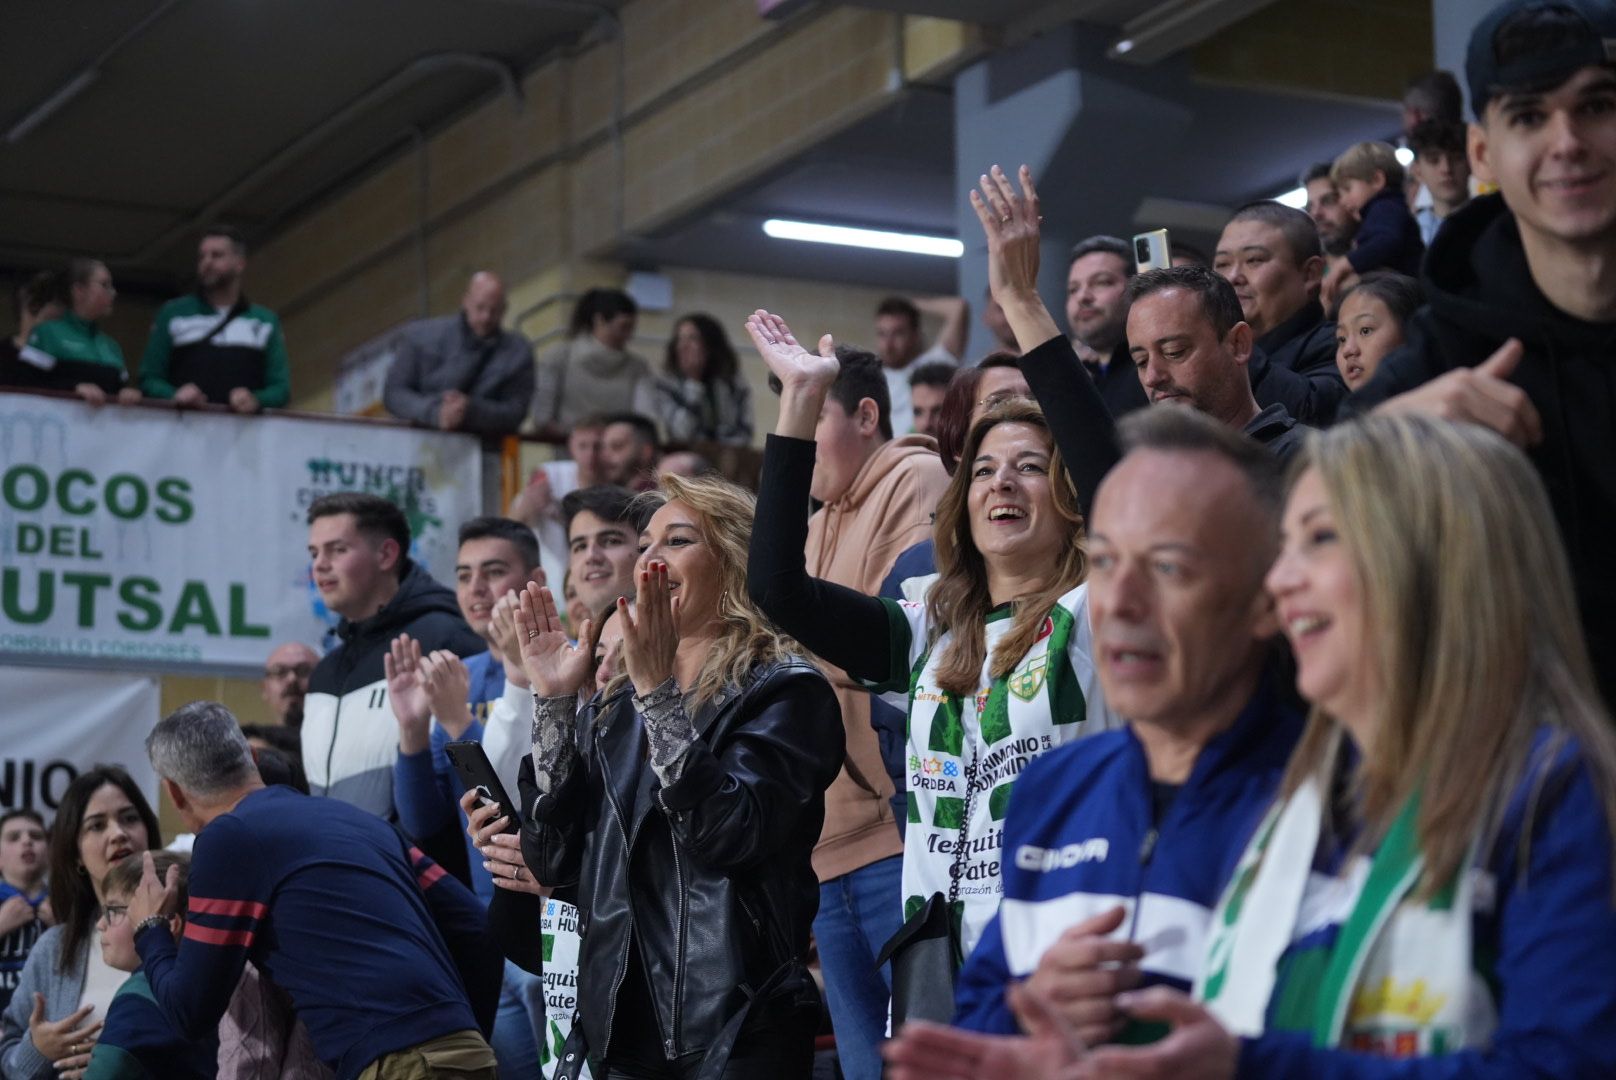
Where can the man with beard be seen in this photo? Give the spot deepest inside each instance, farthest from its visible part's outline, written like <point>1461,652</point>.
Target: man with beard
<point>214,346</point>
<point>1336,224</point>
<point>286,681</point>
<point>1097,318</point>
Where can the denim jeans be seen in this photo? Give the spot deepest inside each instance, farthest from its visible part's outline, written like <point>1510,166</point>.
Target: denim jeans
<point>858,913</point>
<point>519,1025</point>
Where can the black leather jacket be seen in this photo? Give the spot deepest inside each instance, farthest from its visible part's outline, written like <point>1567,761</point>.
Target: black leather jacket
<point>712,875</point>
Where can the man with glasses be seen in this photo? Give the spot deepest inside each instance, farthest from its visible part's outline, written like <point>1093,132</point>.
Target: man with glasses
<point>286,681</point>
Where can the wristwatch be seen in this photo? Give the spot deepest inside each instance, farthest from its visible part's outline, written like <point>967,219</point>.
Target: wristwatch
<point>148,922</point>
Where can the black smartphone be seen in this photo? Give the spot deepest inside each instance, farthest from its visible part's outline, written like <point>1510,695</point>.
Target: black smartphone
<point>477,774</point>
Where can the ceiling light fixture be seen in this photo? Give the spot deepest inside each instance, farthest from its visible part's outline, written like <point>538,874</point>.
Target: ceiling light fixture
<point>874,239</point>
<point>1296,198</point>
<point>1405,156</point>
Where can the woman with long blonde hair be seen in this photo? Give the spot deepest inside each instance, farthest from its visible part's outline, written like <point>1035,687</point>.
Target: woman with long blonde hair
<point>1435,882</point>
<point>994,668</point>
<point>681,805</point>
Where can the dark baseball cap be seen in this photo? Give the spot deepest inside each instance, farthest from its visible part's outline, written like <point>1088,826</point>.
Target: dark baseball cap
<point>1591,44</point>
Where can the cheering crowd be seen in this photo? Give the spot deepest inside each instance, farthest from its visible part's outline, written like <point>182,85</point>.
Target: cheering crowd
<point>1220,689</point>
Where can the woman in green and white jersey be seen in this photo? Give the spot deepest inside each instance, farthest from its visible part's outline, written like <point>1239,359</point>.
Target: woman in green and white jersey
<point>994,668</point>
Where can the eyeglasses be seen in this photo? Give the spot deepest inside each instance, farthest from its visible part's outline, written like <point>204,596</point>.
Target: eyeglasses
<point>115,913</point>
<point>279,671</point>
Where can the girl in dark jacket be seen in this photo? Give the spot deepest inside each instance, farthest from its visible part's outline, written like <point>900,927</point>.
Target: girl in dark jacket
<point>681,805</point>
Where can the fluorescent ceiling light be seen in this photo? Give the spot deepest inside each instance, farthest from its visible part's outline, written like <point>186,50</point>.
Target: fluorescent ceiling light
<point>1168,26</point>
<point>1405,156</point>
<point>1296,198</point>
<point>876,239</point>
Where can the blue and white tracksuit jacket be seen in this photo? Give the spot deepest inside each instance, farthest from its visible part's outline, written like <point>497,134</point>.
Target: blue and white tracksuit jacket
<point>1079,840</point>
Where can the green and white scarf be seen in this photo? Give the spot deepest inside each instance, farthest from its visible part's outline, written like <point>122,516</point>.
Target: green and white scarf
<point>1401,978</point>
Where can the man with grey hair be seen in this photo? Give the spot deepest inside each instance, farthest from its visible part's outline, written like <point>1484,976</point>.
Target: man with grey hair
<point>385,957</point>
<point>1097,319</point>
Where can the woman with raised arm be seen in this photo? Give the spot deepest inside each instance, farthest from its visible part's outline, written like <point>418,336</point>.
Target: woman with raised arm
<point>681,805</point>
<point>994,668</point>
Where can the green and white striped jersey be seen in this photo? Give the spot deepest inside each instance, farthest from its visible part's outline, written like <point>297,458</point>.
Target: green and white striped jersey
<point>1052,697</point>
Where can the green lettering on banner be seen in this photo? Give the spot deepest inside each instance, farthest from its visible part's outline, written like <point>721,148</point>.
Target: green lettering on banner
<point>151,615</point>
<point>30,538</point>
<point>64,493</point>
<point>239,626</point>
<point>11,487</point>
<point>175,494</point>
<point>141,498</point>
<point>11,596</point>
<point>86,585</point>
<point>194,596</point>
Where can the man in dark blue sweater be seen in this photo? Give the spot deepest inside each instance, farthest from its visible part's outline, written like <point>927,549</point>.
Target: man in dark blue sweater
<point>380,951</point>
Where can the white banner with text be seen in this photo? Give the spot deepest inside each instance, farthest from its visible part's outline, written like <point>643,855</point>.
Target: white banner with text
<point>143,536</point>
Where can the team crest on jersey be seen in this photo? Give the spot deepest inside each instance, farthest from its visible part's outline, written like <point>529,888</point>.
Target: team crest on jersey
<point>1026,682</point>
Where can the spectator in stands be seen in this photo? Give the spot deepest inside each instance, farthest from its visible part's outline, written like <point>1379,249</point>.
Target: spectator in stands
<point>24,912</point>
<point>1432,96</point>
<point>286,681</point>
<point>628,451</point>
<point>731,739</point>
<point>303,887</point>
<point>1185,326</point>
<point>1335,225</point>
<point>592,373</point>
<point>538,505</point>
<point>359,546</point>
<point>214,345</point>
<point>1371,184</point>
<point>996,377</point>
<point>700,395</point>
<point>877,496</point>
<point>1371,323</point>
<point>1004,340</point>
<point>71,351</point>
<point>899,345</point>
<point>1212,719</point>
<point>138,1041</point>
<point>39,299</point>
<point>603,529</point>
<point>928,386</point>
<point>1520,305</point>
<point>61,1000</point>
<point>1442,168</point>
<point>1273,257</point>
<point>998,656</point>
<point>1479,839</point>
<point>1097,318</point>
<point>463,372</point>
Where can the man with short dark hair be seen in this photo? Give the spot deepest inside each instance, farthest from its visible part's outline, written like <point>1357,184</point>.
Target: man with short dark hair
<point>1273,257</point>
<point>1097,318</point>
<point>628,451</point>
<point>1336,224</point>
<point>899,345</point>
<point>463,372</point>
<point>1443,171</point>
<point>359,554</point>
<point>215,346</point>
<point>286,681</point>
<point>1522,305</point>
<point>386,959</point>
<point>603,535</point>
<point>928,386</point>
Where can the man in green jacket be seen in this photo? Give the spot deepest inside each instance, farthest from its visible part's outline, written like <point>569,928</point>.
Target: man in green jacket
<point>214,345</point>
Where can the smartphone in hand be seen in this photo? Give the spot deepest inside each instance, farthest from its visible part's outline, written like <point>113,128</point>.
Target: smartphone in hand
<point>1151,251</point>
<point>477,774</point>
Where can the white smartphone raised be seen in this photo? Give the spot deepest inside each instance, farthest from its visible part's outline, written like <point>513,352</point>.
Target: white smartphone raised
<point>1151,251</point>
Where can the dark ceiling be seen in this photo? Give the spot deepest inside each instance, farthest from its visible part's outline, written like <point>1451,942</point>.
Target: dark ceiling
<point>267,103</point>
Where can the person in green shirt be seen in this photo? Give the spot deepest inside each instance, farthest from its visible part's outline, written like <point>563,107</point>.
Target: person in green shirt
<point>214,346</point>
<point>71,351</point>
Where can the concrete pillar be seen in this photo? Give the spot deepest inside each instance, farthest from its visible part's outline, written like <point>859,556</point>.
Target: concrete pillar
<point>1091,130</point>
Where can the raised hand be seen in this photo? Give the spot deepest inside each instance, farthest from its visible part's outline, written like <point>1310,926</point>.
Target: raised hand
<point>554,665</point>
<point>651,630</point>
<point>1013,227</point>
<point>792,364</point>
<point>406,691</point>
<point>502,633</point>
<point>448,688</point>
